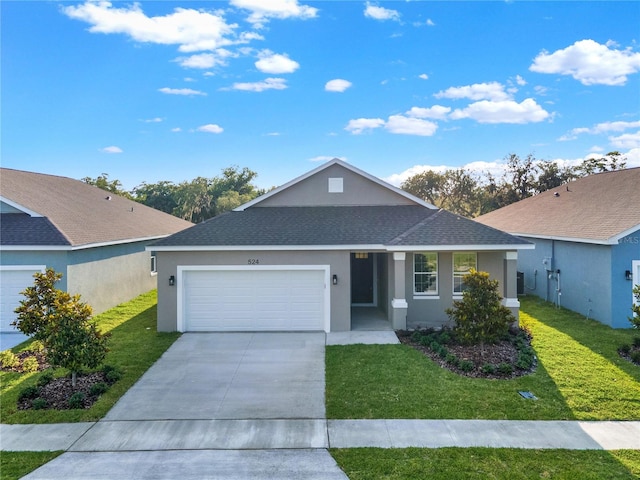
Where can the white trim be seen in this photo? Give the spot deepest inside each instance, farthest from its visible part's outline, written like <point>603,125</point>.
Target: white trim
<point>635,272</point>
<point>23,209</point>
<point>511,256</point>
<point>610,241</point>
<point>399,256</point>
<point>47,248</point>
<point>426,297</point>
<point>511,302</point>
<point>181,269</point>
<point>459,248</point>
<point>414,273</point>
<point>343,164</point>
<point>399,303</point>
<point>41,268</point>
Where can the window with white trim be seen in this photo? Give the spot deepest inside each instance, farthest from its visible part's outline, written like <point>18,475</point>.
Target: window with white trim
<point>154,268</point>
<point>463,263</point>
<point>425,273</point>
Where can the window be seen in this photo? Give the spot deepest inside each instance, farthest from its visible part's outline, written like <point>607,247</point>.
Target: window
<point>425,273</point>
<point>153,264</point>
<point>462,265</point>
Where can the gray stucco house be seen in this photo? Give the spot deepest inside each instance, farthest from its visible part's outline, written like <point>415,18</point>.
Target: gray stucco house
<point>587,244</point>
<point>95,239</point>
<point>307,255</point>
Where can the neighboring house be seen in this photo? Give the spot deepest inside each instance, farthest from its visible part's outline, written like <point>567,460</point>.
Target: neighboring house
<point>306,255</point>
<point>587,237</point>
<point>94,238</point>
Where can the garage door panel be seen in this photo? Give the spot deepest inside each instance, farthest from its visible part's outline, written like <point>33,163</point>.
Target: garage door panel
<point>253,300</point>
<point>12,282</point>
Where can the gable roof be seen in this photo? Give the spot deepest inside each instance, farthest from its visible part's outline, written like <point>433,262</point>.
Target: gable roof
<point>327,165</point>
<point>60,211</point>
<point>600,208</point>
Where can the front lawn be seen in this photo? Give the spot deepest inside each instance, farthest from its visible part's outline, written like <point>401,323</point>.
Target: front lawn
<point>14,465</point>
<point>579,376</point>
<point>484,463</point>
<point>134,346</point>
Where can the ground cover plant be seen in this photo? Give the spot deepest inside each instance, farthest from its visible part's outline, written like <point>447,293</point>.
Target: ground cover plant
<point>14,465</point>
<point>484,463</point>
<point>579,375</point>
<point>133,347</point>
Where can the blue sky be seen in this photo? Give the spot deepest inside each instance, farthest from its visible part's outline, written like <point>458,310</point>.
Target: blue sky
<point>166,90</point>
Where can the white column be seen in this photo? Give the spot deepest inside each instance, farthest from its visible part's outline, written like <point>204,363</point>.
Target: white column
<point>399,301</point>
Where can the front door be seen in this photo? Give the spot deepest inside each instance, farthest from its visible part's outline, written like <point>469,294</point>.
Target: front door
<point>362,279</point>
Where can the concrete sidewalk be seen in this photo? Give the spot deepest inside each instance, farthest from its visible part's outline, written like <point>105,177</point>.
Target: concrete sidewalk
<point>118,436</point>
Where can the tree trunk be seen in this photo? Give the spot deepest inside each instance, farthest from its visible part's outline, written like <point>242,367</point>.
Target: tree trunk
<point>73,379</point>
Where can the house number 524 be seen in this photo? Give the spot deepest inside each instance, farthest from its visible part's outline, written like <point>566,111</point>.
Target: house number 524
<point>253,261</point>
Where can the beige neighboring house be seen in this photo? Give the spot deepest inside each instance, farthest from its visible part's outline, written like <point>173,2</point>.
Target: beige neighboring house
<point>94,238</point>
<point>324,251</point>
<point>587,237</point>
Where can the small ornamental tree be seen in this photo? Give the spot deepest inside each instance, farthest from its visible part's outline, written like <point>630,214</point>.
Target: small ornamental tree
<point>480,317</point>
<point>62,323</point>
<point>635,307</point>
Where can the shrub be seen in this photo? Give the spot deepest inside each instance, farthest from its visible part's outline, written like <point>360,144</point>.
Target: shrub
<point>635,307</point>
<point>505,368</point>
<point>98,388</point>
<point>465,365</point>
<point>76,400</point>
<point>30,364</point>
<point>32,391</point>
<point>45,378</point>
<point>451,359</point>
<point>62,322</point>
<point>636,342</point>
<point>488,368</point>
<point>625,349</point>
<point>443,352</point>
<point>36,346</point>
<point>525,361</point>
<point>8,359</point>
<point>39,404</point>
<point>480,317</point>
<point>111,374</point>
<point>635,357</point>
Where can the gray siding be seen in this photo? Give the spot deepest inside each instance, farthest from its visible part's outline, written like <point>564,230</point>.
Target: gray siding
<point>314,191</point>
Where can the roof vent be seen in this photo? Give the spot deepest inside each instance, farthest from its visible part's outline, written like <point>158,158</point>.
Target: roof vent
<point>108,198</point>
<point>556,194</point>
<point>336,185</point>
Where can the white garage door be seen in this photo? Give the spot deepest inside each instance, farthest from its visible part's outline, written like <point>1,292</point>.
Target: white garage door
<point>254,300</point>
<point>13,280</point>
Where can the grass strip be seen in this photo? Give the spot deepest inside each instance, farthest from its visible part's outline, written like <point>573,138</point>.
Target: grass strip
<point>134,346</point>
<point>486,463</point>
<point>14,465</point>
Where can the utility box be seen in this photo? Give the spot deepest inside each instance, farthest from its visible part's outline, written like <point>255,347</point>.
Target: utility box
<point>548,263</point>
<point>520,284</point>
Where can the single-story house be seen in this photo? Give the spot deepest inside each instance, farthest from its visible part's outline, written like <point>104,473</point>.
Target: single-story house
<point>94,238</point>
<point>309,254</point>
<point>587,244</point>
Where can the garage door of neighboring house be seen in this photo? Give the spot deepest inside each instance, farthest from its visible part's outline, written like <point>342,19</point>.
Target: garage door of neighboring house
<point>285,298</point>
<point>13,280</point>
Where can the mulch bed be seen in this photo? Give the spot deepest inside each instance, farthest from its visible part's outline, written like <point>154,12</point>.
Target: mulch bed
<point>57,392</point>
<point>502,352</point>
<point>22,356</point>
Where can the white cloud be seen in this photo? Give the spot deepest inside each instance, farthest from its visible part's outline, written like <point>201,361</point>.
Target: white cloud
<point>176,130</point>
<point>520,81</point>
<point>590,63</point>
<point>181,91</point>
<point>399,124</point>
<point>153,120</point>
<point>262,11</point>
<point>275,63</point>
<point>193,30</point>
<point>206,60</point>
<point>437,112</point>
<point>380,13</point>
<point>111,149</point>
<point>359,125</point>
<point>479,91</point>
<point>267,84</point>
<point>604,127</point>
<point>210,128</point>
<point>423,76</point>
<point>626,140</point>
<point>337,85</point>
<point>327,158</point>
<point>430,23</point>
<point>507,111</point>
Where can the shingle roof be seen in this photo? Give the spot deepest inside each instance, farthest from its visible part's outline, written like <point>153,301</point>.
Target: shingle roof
<point>597,208</point>
<point>398,225</point>
<point>80,212</point>
<point>21,229</point>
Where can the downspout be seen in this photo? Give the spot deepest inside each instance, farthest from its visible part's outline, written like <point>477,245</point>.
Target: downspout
<point>558,289</point>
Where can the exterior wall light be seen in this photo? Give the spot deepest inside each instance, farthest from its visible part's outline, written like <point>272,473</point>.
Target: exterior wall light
<point>628,275</point>
<point>334,279</point>
<point>172,281</point>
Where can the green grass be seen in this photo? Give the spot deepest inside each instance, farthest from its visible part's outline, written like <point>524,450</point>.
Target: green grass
<point>14,465</point>
<point>486,463</point>
<point>134,346</point>
<point>579,376</point>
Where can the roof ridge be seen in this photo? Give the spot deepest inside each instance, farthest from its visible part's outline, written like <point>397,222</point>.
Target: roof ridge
<point>415,227</point>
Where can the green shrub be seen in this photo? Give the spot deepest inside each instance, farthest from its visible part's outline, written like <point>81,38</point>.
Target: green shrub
<point>635,357</point>
<point>30,364</point>
<point>635,307</point>
<point>488,368</point>
<point>625,349</point>
<point>45,378</point>
<point>39,404</point>
<point>505,368</point>
<point>32,391</point>
<point>8,359</point>
<point>451,359</point>
<point>98,388</point>
<point>76,400</point>
<point>445,338</point>
<point>480,317</point>
<point>443,352</point>
<point>465,365</point>
<point>36,346</point>
<point>111,374</point>
<point>636,342</point>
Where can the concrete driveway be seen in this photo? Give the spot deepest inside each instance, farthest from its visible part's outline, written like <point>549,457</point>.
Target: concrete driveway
<point>210,376</point>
